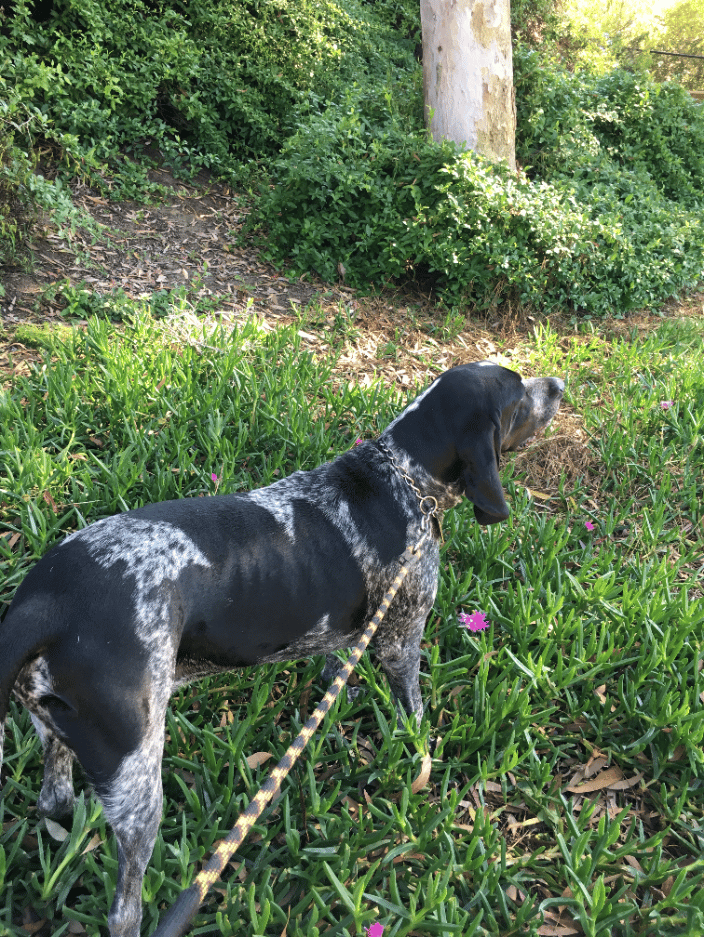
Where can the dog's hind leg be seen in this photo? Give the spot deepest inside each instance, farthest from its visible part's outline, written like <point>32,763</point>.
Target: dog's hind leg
<point>56,795</point>
<point>132,802</point>
<point>116,730</point>
<point>133,806</point>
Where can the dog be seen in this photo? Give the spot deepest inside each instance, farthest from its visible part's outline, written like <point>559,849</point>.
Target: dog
<point>118,615</point>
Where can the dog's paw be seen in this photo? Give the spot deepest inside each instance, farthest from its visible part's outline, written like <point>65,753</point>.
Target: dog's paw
<point>331,669</point>
<point>56,800</point>
<point>56,803</point>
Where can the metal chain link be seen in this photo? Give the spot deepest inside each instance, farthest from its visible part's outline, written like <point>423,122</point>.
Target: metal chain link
<point>428,509</point>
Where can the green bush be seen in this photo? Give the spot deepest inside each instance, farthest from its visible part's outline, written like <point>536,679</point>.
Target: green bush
<point>632,153</point>
<point>206,84</point>
<point>345,184</point>
<point>386,203</point>
<point>607,218</point>
<point>572,123</point>
<point>209,83</point>
<point>23,188</point>
<point>15,171</point>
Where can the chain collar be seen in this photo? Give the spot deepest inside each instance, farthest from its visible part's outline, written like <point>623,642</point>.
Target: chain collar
<point>428,503</point>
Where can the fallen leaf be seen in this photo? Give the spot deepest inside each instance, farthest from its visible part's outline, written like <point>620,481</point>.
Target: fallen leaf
<point>423,776</point>
<point>604,779</point>
<point>257,759</point>
<point>55,830</point>
<point>626,783</point>
<point>95,841</point>
<point>50,501</point>
<point>559,930</point>
<point>13,539</point>
<point>352,806</point>
<point>667,885</point>
<point>226,719</point>
<point>31,927</point>
<point>538,494</point>
<point>515,895</point>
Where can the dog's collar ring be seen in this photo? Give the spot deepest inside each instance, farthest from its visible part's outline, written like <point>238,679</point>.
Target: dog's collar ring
<point>428,505</point>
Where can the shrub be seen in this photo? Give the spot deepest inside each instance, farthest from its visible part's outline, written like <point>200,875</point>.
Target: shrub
<point>209,83</point>
<point>632,153</point>
<point>606,220</point>
<point>23,189</point>
<point>606,216</point>
<point>577,123</point>
<point>15,170</point>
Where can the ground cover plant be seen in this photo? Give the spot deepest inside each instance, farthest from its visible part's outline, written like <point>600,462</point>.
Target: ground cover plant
<point>566,790</point>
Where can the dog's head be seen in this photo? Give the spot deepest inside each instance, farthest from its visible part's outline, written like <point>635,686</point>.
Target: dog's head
<point>459,426</point>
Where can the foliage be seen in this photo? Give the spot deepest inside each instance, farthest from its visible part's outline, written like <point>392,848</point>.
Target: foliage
<point>535,21</point>
<point>632,153</point>
<point>23,189</point>
<point>681,30</point>
<point>604,34</point>
<point>593,655</point>
<point>608,219</point>
<point>80,302</point>
<point>327,102</point>
<point>206,82</point>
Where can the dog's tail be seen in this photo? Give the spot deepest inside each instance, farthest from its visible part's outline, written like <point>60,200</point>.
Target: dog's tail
<point>20,641</point>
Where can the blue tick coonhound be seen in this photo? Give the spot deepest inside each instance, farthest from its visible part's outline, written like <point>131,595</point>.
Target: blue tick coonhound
<point>117,616</point>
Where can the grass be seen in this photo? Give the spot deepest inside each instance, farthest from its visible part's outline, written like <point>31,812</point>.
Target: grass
<point>566,791</point>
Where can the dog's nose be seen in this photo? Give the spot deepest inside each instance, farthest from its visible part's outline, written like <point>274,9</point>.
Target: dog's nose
<point>559,385</point>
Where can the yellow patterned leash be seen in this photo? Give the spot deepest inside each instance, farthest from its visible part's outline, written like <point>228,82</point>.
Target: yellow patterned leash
<point>179,916</point>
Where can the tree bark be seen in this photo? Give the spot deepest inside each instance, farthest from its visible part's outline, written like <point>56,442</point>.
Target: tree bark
<point>468,75</point>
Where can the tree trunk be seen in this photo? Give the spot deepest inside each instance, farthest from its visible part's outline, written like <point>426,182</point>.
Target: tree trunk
<point>468,75</point>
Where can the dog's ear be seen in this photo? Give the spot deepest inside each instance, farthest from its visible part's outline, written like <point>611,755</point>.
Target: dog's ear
<point>480,476</point>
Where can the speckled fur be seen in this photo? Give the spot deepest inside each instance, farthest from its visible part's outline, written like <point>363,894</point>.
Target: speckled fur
<point>120,614</point>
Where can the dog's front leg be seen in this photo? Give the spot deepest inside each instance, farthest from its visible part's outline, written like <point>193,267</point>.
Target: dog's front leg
<point>398,650</point>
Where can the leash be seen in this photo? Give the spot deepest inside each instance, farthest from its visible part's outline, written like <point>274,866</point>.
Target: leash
<point>176,920</point>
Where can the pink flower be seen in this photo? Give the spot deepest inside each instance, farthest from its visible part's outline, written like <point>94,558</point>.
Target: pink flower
<point>589,525</point>
<point>666,404</point>
<point>474,622</point>
<point>376,930</point>
<point>356,444</point>
<point>214,477</point>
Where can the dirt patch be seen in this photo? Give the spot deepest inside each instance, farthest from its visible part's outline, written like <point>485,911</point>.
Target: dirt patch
<point>187,241</point>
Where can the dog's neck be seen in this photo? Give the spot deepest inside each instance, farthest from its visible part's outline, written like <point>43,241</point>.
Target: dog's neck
<point>446,495</point>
